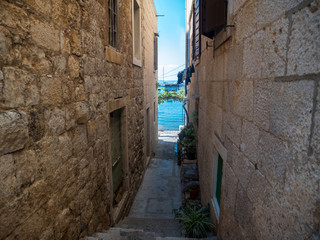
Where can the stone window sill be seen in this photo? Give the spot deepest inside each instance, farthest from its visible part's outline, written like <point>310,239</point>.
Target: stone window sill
<point>223,37</point>
<point>113,56</point>
<point>137,62</point>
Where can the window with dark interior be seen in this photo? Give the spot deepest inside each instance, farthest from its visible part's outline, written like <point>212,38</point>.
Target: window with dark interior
<point>113,23</point>
<point>213,17</point>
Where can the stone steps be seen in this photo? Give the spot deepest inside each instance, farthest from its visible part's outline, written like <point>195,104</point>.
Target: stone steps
<point>162,227</point>
<point>134,234</point>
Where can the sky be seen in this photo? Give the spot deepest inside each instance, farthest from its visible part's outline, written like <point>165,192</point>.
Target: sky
<point>171,43</point>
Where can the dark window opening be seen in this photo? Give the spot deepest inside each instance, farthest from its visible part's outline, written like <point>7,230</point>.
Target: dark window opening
<point>116,154</point>
<point>213,16</point>
<point>113,23</point>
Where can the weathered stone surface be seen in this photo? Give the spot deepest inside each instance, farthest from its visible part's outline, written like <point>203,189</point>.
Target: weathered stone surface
<point>274,48</point>
<point>51,90</point>
<point>19,88</point>
<point>56,85</point>
<point>45,35</point>
<point>13,131</point>
<point>269,73</point>
<point>302,58</point>
<point>56,121</point>
<point>83,112</point>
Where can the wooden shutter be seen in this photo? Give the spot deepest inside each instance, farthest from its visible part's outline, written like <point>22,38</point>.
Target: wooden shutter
<point>214,16</point>
<point>196,30</point>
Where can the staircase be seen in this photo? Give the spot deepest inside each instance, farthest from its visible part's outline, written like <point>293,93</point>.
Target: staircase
<point>151,216</point>
<point>133,234</point>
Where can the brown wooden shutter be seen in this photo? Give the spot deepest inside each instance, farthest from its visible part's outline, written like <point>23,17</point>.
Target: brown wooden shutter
<point>214,16</point>
<point>196,30</point>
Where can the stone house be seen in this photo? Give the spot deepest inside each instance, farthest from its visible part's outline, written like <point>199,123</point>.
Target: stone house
<point>255,87</point>
<point>78,113</point>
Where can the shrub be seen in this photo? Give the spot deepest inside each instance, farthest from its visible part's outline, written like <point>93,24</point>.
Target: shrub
<point>195,220</point>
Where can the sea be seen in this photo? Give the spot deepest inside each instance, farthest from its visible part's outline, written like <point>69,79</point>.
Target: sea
<point>170,114</point>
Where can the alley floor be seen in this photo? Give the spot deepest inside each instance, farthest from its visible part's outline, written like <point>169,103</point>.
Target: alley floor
<point>160,192</point>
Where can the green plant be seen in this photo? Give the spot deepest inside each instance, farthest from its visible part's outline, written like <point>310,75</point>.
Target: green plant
<point>195,117</point>
<point>166,95</point>
<point>195,220</point>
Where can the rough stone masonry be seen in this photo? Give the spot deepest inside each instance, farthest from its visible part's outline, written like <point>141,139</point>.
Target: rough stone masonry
<point>59,82</point>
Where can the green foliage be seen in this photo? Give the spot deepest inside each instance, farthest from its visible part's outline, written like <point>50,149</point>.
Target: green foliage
<point>157,85</point>
<point>170,95</point>
<point>195,220</point>
<point>195,117</point>
<point>189,141</point>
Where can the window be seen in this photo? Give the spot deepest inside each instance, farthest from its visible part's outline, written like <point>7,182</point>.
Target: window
<point>136,32</point>
<point>113,23</point>
<point>213,17</point>
<point>196,37</point>
<point>217,182</point>
<point>155,48</point>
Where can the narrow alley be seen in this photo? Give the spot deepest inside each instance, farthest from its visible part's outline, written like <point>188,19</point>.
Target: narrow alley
<point>152,213</point>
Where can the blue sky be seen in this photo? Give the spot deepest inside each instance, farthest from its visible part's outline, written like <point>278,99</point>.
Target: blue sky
<point>171,45</point>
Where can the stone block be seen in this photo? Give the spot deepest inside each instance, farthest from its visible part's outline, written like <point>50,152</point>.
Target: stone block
<point>253,55</point>
<point>62,223</point>
<point>261,101</point>
<point>243,99</point>
<point>275,49</point>
<point>51,90</point>
<point>230,183</point>
<point>243,213</point>
<point>246,20</point>
<point>74,67</point>
<point>56,121</point>
<point>242,168</point>
<point>272,157</point>
<point>68,91</point>
<point>14,132</point>
<point>34,59</point>
<point>291,120</point>
<point>83,112</point>
<point>54,152</point>
<point>59,13</point>
<point>249,140</point>
<point>79,140</point>
<point>41,7</point>
<point>45,35</point>
<point>15,18</point>
<point>303,54</point>
<point>75,42</point>
<point>235,62</point>
<point>59,65</point>
<point>19,88</point>
<point>5,46</point>
<point>232,128</point>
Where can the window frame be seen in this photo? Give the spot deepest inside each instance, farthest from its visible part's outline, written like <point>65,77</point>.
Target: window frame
<point>136,33</point>
<point>113,28</point>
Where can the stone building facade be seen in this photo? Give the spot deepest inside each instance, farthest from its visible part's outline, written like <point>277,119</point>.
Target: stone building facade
<point>256,90</point>
<point>76,84</point>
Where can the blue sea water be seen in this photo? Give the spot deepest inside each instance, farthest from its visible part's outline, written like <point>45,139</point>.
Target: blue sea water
<point>171,114</point>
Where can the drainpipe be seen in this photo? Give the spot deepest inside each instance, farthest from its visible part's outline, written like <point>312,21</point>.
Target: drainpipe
<point>184,107</point>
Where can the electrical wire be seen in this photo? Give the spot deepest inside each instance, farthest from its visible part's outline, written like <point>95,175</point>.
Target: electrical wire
<point>164,75</point>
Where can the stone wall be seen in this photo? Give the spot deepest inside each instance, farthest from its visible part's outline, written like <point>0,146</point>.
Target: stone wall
<point>259,100</point>
<point>59,81</point>
<point>150,27</point>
